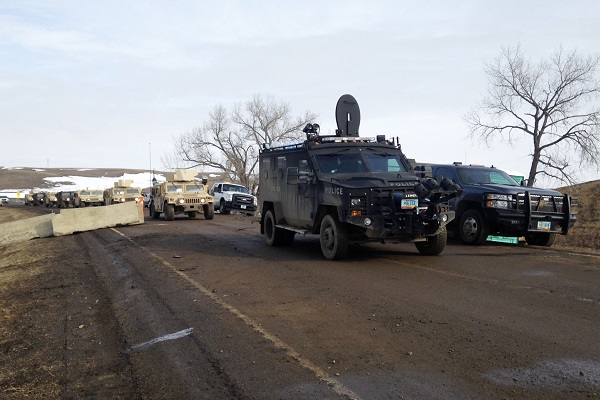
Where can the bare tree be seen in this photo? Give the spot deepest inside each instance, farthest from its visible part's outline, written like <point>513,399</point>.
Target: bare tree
<point>229,142</point>
<point>553,102</point>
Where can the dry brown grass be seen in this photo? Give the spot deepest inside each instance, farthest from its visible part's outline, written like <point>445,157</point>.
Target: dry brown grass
<point>584,234</point>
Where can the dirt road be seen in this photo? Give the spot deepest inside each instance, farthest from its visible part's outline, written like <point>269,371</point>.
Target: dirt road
<point>204,309</point>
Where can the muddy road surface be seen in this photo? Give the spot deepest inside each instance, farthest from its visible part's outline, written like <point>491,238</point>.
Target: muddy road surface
<point>203,309</point>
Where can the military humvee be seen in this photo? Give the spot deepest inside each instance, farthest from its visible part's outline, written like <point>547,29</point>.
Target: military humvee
<point>50,200</point>
<point>88,198</point>
<point>66,199</point>
<point>349,189</point>
<point>121,192</point>
<point>182,193</point>
<point>29,197</point>
<point>38,198</point>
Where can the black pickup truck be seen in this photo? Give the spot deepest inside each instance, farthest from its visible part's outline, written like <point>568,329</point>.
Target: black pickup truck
<point>493,203</point>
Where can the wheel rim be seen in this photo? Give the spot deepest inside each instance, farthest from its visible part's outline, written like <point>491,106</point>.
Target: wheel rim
<point>470,227</point>
<point>328,237</point>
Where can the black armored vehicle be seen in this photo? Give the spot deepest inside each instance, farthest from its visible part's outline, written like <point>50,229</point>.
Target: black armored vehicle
<point>349,189</point>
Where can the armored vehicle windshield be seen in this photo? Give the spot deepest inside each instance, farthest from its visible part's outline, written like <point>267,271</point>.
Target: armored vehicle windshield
<point>359,162</point>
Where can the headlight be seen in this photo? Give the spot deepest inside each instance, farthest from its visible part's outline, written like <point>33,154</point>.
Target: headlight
<point>181,201</point>
<point>203,200</point>
<point>228,197</point>
<point>355,202</point>
<point>498,200</point>
<point>122,199</point>
<point>255,201</point>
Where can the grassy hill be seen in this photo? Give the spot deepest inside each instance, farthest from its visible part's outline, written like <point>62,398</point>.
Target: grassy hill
<point>585,233</point>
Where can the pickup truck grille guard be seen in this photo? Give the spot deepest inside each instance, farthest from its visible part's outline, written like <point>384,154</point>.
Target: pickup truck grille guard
<point>545,207</point>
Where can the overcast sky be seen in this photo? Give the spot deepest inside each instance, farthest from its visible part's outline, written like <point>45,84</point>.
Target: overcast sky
<point>89,84</point>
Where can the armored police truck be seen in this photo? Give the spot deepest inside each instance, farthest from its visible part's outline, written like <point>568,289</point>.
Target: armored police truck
<point>349,189</point>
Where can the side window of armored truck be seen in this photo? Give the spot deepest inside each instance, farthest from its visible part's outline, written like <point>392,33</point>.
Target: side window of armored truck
<point>281,162</point>
<point>303,168</point>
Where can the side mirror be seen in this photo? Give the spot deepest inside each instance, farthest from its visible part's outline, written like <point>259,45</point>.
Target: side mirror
<point>292,176</point>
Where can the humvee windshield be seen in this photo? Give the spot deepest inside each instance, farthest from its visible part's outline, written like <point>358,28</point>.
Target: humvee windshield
<point>195,187</point>
<point>172,188</point>
<point>96,192</point>
<point>133,191</point>
<point>235,188</point>
<point>474,176</point>
<point>85,193</point>
<point>119,191</point>
<point>340,163</point>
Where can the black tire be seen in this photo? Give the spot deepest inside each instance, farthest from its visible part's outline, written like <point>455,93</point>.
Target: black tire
<point>273,235</point>
<point>540,239</point>
<point>434,244</point>
<point>192,214</point>
<point>153,213</point>
<point>209,211</point>
<point>334,238</point>
<point>471,228</point>
<point>222,208</point>
<point>169,211</point>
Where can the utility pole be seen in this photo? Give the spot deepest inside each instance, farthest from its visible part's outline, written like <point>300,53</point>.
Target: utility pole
<point>150,152</point>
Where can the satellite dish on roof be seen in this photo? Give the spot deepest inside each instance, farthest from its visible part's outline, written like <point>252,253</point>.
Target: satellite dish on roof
<point>347,116</point>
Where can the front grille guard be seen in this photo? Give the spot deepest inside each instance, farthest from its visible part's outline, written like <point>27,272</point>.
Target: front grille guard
<point>541,205</point>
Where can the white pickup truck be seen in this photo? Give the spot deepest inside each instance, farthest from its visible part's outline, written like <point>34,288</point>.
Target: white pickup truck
<point>233,197</point>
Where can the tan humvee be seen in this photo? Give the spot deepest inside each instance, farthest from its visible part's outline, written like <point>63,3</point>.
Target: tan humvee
<point>122,192</point>
<point>29,197</point>
<point>182,193</point>
<point>50,200</point>
<point>87,198</point>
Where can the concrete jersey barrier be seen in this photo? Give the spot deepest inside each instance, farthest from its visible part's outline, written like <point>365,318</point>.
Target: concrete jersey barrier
<point>70,221</point>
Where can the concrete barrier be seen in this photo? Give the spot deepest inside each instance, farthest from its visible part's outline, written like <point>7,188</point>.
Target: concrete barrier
<point>70,221</point>
<point>73,220</point>
<point>26,229</point>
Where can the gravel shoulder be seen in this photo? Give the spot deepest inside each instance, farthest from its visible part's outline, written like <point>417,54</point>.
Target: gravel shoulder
<point>58,336</point>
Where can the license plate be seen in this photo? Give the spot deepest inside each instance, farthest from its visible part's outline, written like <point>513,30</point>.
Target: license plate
<point>243,207</point>
<point>409,203</point>
<point>544,225</point>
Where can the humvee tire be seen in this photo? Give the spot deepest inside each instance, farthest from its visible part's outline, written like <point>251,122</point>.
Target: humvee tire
<point>434,245</point>
<point>169,210</point>
<point>334,238</point>
<point>209,211</point>
<point>153,213</point>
